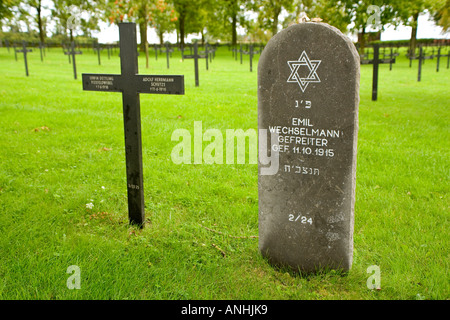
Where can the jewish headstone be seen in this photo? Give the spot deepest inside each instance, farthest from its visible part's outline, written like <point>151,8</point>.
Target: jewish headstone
<point>308,97</point>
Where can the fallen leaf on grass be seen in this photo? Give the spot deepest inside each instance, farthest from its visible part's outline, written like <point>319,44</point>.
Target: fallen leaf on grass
<point>44,128</point>
<point>104,149</point>
<point>99,215</point>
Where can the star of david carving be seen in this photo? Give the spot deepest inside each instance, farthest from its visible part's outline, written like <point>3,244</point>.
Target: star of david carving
<point>295,65</point>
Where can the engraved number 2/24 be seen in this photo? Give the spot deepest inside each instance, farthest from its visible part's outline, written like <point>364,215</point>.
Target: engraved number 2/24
<point>300,218</point>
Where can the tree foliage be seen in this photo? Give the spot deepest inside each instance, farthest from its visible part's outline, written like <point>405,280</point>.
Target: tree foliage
<point>218,20</point>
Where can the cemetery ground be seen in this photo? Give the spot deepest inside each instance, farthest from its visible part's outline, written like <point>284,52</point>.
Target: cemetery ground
<point>63,198</point>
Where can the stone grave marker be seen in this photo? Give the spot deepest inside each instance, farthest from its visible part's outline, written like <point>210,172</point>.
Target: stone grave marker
<point>24,50</point>
<point>308,96</point>
<point>73,53</point>
<point>130,83</point>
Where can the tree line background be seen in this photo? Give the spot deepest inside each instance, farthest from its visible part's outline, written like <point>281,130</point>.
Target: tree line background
<point>214,20</point>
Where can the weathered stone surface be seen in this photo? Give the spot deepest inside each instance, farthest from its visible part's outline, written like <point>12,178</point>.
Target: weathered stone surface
<point>308,92</point>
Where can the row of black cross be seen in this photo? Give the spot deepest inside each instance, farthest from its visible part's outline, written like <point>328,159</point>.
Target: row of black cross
<point>250,52</point>
<point>390,58</point>
<point>422,56</point>
<point>71,52</point>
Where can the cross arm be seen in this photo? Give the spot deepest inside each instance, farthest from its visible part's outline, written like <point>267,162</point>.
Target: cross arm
<point>74,52</point>
<point>386,60</point>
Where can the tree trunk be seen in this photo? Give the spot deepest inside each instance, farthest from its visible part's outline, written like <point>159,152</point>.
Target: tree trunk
<point>143,33</point>
<point>161,37</point>
<point>276,12</point>
<point>41,31</point>
<point>362,44</point>
<point>146,54</point>
<point>413,41</point>
<point>181,20</point>
<point>233,30</point>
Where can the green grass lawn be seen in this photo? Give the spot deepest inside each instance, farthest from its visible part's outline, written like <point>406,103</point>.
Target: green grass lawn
<point>63,148</point>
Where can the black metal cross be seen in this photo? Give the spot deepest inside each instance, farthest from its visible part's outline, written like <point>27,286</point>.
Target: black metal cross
<point>15,50</point>
<point>196,56</point>
<point>422,57</point>
<point>98,48</point>
<point>205,54</point>
<point>108,49</point>
<point>25,50</point>
<point>7,45</point>
<point>391,56</point>
<point>168,51</point>
<point>234,51</point>
<point>250,54</point>
<point>439,55</point>
<point>241,51</point>
<point>375,62</point>
<point>414,56</point>
<point>131,84</point>
<point>156,51</point>
<point>72,53</point>
<point>181,49</point>
<point>42,50</point>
